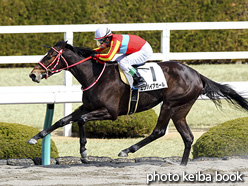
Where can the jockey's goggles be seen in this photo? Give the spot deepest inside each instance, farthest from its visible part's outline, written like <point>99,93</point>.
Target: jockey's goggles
<point>100,41</point>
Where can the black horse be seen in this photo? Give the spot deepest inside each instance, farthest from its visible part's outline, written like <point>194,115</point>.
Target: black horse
<point>109,97</point>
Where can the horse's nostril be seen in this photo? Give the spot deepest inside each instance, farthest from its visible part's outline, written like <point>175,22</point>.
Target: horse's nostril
<point>32,76</point>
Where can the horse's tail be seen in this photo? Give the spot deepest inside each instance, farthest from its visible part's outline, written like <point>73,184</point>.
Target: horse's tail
<point>215,91</point>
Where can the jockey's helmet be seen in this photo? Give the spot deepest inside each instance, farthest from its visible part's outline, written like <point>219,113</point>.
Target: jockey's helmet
<point>101,34</point>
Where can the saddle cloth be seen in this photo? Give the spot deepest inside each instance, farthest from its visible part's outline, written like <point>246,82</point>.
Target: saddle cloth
<point>151,72</point>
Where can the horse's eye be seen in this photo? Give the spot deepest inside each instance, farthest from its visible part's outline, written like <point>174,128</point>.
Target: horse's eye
<point>49,57</point>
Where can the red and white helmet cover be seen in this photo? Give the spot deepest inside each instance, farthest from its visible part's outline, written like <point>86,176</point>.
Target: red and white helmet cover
<point>102,32</point>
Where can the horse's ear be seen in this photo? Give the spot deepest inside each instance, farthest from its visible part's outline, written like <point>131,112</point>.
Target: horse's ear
<point>46,46</point>
<point>64,44</point>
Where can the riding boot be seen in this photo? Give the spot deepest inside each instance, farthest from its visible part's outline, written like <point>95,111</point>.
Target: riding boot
<point>139,81</point>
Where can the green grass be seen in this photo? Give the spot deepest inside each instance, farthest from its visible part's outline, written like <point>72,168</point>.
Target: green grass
<point>223,72</point>
<point>167,146</point>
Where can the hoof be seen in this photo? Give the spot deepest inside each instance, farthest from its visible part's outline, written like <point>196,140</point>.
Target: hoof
<point>84,154</point>
<point>122,154</point>
<point>183,164</point>
<point>32,141</point>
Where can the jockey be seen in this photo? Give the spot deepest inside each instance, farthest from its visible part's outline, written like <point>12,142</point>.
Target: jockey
<point>135,51</point>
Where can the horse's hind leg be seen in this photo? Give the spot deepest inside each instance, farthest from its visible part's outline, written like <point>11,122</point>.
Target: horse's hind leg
<point>158,132</point>
<point>179,119</point>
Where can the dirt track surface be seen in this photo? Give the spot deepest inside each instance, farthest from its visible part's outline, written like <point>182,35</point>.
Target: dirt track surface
<point>118,174</point>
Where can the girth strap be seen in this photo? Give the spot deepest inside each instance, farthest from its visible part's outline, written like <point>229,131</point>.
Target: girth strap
<point>133,101</point>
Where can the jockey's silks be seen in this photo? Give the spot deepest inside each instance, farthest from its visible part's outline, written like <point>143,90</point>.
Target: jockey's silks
<point>124,44</point>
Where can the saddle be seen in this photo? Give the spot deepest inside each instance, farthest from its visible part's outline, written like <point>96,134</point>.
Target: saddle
<point>153,75</point>
<point>151,72</point>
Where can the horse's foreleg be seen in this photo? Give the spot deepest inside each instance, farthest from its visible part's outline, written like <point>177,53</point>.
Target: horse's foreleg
<point>158,132</point>
<point>82,139</point>
<point>101,114</point>
<point>62,122</point>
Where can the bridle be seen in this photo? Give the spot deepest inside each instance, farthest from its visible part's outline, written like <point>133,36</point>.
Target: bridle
<point>56,61</point>
<point>58,57</point>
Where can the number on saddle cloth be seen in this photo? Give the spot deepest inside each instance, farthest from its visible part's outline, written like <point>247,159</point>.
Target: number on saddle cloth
<point>151,72</point>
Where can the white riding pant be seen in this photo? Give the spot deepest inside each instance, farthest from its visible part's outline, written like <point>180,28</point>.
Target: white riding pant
<point>126,60</point>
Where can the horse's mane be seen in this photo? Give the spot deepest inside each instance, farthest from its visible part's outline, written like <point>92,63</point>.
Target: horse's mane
<point>81,51</point>
<point>84,52</point>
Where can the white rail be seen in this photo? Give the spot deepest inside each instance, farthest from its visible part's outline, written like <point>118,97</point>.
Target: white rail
<point>40,94</point>
<point>56,94</point>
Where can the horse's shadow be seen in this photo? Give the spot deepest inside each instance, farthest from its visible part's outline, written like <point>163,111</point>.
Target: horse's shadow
<point>67,162</point>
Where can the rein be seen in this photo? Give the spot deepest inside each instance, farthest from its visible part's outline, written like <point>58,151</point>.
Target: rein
<point>87,88</point>
<point>59,56</point>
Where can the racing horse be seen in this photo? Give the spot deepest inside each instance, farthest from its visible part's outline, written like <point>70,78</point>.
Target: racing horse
<point>105,96</point>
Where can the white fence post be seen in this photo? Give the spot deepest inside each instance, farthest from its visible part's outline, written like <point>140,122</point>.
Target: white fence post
<point>68,36</point>
<point>165,50</point>
<point>165,43</point>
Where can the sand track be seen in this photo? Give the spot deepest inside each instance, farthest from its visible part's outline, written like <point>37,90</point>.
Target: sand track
<point>118,174</point>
